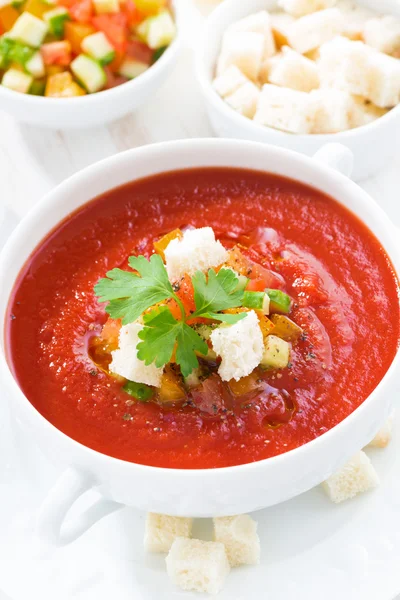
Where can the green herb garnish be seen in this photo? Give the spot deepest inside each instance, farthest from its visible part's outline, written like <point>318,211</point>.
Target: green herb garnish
<point>129,295</point>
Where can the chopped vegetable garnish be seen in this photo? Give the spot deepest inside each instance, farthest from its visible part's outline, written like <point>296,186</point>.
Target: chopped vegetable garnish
<point>279,301</point>
<point>140,391</point>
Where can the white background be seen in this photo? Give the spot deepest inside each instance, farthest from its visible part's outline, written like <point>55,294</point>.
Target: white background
<point>33,160</point>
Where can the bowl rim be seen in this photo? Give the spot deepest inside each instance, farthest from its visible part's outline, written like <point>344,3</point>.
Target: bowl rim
<point>213,22</point>
<point>84,178</point>
<point>111,93</point>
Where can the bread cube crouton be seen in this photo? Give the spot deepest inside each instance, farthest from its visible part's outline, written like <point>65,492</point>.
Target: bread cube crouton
<point>357,476</point>
<point>240,347</point>
<point>162,530</point>
<point>197,250</point>
<point>239,536</point>
<point>280,23</point>
<point>355,17</point>
<point>245,49</point>
<point>384,71</point>
<point>333,110</point>
<point>293,70</point>
<point>299,8</point>
<point>199,566</point>
<point>227,83</point>
<point>313,30</point>
<point>383,34</point>
<point>126,363</point>
<point>244,99</point>
<point>284,109</point>
<point>384,435</point>
<point>365,112</point>
<point>258,23</point>
<point>344,64</point>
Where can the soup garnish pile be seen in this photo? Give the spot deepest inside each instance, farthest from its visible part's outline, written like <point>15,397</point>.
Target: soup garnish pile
<point>204,318</point>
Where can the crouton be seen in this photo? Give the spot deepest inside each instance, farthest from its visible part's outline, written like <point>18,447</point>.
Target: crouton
<point>384,435</point>
<point>293,70</point>
<point>280,23</point>
<point>126,363</point>
<point>356,477</point>
<point>365,112</point>
<point>259,22</point>
<point>355,17</point>
<point>311,31</point>
<point>195,565</point>
<point>227,83</point>
<point>384,71</point>
<point>383,34</point>
<point>240,347</point>
<point>245,99</point>
<point>344,64</point>
<point>245,49</point>
<point>284,109</point>
<point>198,250</point>
<point>299,8</point>
<point>333,110</point>
<point>162,530</point>
<point>239,536</point>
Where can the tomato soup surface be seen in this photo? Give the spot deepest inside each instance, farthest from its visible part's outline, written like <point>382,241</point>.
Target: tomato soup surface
<point>345,297</point>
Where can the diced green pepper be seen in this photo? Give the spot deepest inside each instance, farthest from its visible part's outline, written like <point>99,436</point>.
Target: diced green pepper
<point>140,391</point>
<point>38,87</point>
<point>158,53</point>
<point>279,301</point>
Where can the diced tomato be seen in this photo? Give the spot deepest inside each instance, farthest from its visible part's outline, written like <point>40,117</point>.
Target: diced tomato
<point>134,16</point>
<point>139,51</point>
<point>110,333</point>
<point>116,29</point>
<point>212,396</point>
<point>256,285</point>
<point>81,11</point>
<point>117,62</point>
<point>186,293</point>
<point>112,79</point>
<point>56,53</point>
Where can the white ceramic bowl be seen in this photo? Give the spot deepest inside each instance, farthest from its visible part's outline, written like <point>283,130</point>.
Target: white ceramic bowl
<point>94,109</point>
<point>373,145</point>
<point>208,492</point>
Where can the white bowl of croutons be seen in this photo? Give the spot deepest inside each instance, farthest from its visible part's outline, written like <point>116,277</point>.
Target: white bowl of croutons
<point>284,73</point>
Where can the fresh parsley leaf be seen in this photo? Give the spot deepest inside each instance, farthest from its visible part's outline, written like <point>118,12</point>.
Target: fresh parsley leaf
<point>128,294</point>
<point>159,336</point>
<point>216,292</point>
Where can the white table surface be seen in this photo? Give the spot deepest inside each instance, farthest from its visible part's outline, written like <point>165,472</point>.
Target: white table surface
<point>33,160</point>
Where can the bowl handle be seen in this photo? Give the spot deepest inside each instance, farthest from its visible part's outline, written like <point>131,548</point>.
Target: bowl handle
<point>52,527</point>
<point>337,157</point>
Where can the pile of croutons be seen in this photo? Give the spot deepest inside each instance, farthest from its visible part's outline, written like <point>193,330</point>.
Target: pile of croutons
<point>316,67</point>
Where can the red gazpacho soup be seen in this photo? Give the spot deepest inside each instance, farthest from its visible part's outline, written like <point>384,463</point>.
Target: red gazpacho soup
<point>203,318</point>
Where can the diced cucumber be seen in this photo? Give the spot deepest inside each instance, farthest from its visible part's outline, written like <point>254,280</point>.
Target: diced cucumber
<point>29,30</point>
<point>106,6</point>
<point>131,68</point>
<point>35,66</point>
<point>140,391</point>
<point>157,31</point>
<point>158,54</point>
<point>14,52</point>
<point>56,19</point>
<point>97,46</point>
<point>89,72</point>
<point>38,87</point>
<point>276,353</point>
<point>279,301</point>
<point>17,81</point>
<point>257,300</point>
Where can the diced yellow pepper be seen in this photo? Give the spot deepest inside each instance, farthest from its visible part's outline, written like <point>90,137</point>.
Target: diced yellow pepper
<point>54,69</point>
<point>150,7</point>
<point>171,389</point>
<point>61,85</point>
<point>163,242</point>
<point>8,16</point>
<point>36,8</point>
<point>75,33</point>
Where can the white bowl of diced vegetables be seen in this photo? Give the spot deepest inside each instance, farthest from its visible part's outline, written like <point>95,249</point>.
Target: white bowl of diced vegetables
<point>328,85</point>
<point>78,88</point>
